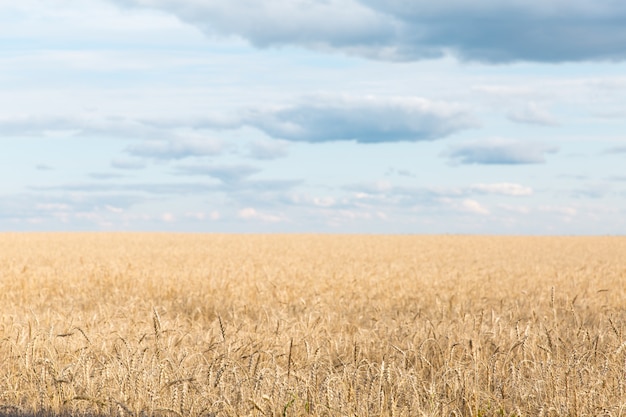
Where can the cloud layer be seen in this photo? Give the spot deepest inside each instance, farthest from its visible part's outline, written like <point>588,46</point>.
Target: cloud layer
<point>483,30</point>
<point>313,119</point>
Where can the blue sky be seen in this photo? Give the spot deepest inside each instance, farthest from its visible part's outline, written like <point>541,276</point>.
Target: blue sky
<point>341,116</point>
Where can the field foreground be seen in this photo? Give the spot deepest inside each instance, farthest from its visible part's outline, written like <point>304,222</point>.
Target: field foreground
<point>222,325</point>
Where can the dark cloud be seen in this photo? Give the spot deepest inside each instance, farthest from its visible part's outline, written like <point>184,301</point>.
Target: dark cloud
<point>511,30</point>
<point>225,173</point>
<point>493,31</point>
<point>362,119</point>
<point>499,152</point>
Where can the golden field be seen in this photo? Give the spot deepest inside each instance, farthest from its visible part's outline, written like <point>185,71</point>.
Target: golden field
<point>311,325</point>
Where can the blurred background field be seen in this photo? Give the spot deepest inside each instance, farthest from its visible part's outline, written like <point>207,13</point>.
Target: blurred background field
<point>320,325</point>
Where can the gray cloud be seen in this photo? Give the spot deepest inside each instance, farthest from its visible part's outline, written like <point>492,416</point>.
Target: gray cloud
<point>176,149</point>
<point>43,167</point>
<point>362,119</point>
<point>482,30</point>
<point>127,164</point>
<point>512,30</point>
<point>577,177</point>
<point>225,173</point>
<point>177,188</point>
<point>267,150</point>
<point>499,152</point>
<point>615,150</point>
<point>400,172</point>
<point>594,191</point>
<point>105,175</point>
<point>258,187</point>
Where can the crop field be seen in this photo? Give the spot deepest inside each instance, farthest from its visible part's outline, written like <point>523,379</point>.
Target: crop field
<point>311,325</point>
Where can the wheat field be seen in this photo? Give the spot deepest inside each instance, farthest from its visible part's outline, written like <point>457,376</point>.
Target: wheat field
<point>311,325</point>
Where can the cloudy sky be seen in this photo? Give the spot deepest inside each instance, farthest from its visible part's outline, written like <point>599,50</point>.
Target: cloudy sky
<point>341,116</point>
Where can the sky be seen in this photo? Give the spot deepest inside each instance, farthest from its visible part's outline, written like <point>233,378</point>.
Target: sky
<point>316,116</point>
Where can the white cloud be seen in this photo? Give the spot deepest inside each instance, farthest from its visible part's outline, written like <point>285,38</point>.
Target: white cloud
<point>87,20</point>
<point>514,209</point>
<point>168,217</point>
<point>503,188</point>
<point>354,215</point>
<point>52,126</point>
<point>196,215</point>
<point>201,215</point>
<point>324,201</point>
<point>114,209</point>
<point>250,213</point>
<point>57,207</point>
<point>532,113</point>
<point>562,210</point>
<point>460,198</point>
<point>473,206</point>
